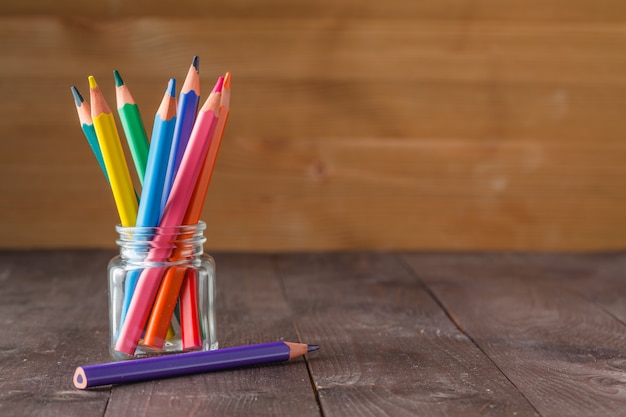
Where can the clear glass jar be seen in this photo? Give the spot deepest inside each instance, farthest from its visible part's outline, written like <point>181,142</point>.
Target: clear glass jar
<point>161,292</point>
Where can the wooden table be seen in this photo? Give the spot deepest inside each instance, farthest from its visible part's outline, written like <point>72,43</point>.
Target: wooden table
<point>401,334</point>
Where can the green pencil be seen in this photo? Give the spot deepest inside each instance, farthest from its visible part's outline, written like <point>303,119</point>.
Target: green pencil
<point>133,126</point>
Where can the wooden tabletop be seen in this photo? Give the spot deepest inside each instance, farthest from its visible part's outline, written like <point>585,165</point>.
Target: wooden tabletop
<point>400,334</point>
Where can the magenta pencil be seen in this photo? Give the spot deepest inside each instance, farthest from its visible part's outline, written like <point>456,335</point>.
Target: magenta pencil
<point>173,214</point>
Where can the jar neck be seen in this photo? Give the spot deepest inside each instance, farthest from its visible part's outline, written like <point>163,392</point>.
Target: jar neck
<point>161,245</point>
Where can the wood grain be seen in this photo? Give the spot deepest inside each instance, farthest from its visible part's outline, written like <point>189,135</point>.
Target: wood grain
<point>427,126</point>
<point>387,348</point>
<point>54,316</point>
<point>438,334</point>
<point>559,350</point>
<point>506,10</point>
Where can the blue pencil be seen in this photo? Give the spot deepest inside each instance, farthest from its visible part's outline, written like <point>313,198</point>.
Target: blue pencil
<point>149,211</point>
<point>189,99</point>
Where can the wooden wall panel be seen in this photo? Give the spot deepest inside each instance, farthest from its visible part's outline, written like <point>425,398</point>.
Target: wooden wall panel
<point>503,10</point>
<point>426,126</point>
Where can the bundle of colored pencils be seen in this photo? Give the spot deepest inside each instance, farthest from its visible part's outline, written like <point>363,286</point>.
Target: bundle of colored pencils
<point>174,169</point>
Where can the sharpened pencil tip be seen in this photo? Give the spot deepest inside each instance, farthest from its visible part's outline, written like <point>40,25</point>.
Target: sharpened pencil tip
<point>118,78</point>
<point>227,81</point>
<point>171,87</point>
<point>77,97</point>
<point>311,348</point>
<point>92,82</point>
<point>218,85</point>
<point>196,63</point>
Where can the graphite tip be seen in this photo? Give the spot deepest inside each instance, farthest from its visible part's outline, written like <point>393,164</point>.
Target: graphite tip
<point>77,97</point>
<point>118,78</point>
<point>196,63</point>
<point>171,87</point>
<point>218,85</point>
<point>311,348</point>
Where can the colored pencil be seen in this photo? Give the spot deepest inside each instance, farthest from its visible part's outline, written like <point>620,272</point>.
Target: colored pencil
<point>113,155</point>
<point>149,212</point>
<point>187,363</point>
<point>173,215</point>
<point>194,211</point>
<point>169,290</point>
<point>163,308</point>
<point>190,326</point>
<point>84,116</point>
<point>188,302</point>
<point>132,124</point>
<point>188,102</point>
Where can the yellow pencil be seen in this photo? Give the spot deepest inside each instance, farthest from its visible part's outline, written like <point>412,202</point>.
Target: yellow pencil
<point>114,160</point>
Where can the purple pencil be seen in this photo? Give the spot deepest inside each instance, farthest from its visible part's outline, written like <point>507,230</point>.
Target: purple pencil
<point>187,363</point>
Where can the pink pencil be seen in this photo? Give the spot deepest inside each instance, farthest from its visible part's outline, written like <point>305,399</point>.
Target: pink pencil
<point>173,215</point>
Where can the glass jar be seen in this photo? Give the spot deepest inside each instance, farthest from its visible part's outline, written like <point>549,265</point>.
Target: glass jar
<point>161,292</point>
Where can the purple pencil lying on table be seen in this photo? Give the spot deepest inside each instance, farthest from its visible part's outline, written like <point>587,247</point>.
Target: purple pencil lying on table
<point>187,363</point>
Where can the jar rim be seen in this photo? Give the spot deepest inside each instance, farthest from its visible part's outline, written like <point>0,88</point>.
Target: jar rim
<point>151,230</point>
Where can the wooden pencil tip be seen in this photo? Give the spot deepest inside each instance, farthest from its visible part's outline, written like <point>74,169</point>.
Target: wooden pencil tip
<point>77,97</point>
<point>92,82</point>
<point>171,87</point>
<point>118,78</point>
<point>196,63</point>
<point>311,348</point>
<point>227,81</point>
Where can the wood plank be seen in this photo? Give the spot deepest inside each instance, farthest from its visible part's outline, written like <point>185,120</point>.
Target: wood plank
<point>251,310</point>
<point>562,352</point>
<point>417,193</point>
<point>546,10</point>
<point>315,48</point>
<point>598,277</point>
<point>552,112</point>
<point>53,306</point>
<point>386,347</point>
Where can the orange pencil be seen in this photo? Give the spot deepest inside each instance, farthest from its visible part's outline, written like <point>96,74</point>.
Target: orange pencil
<point>165,301</point>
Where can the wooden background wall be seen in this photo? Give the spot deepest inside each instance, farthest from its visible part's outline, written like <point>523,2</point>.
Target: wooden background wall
<point>435,124</point>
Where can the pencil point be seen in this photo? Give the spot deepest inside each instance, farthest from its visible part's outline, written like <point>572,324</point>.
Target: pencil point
<point>227,81</point>
<point>118,78</point>
<point>92,82</point>
<point>218,85</point>
<point>171,87</point>
<point>196,63</point>
<point>77,97</point>
<point>311,348</point>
